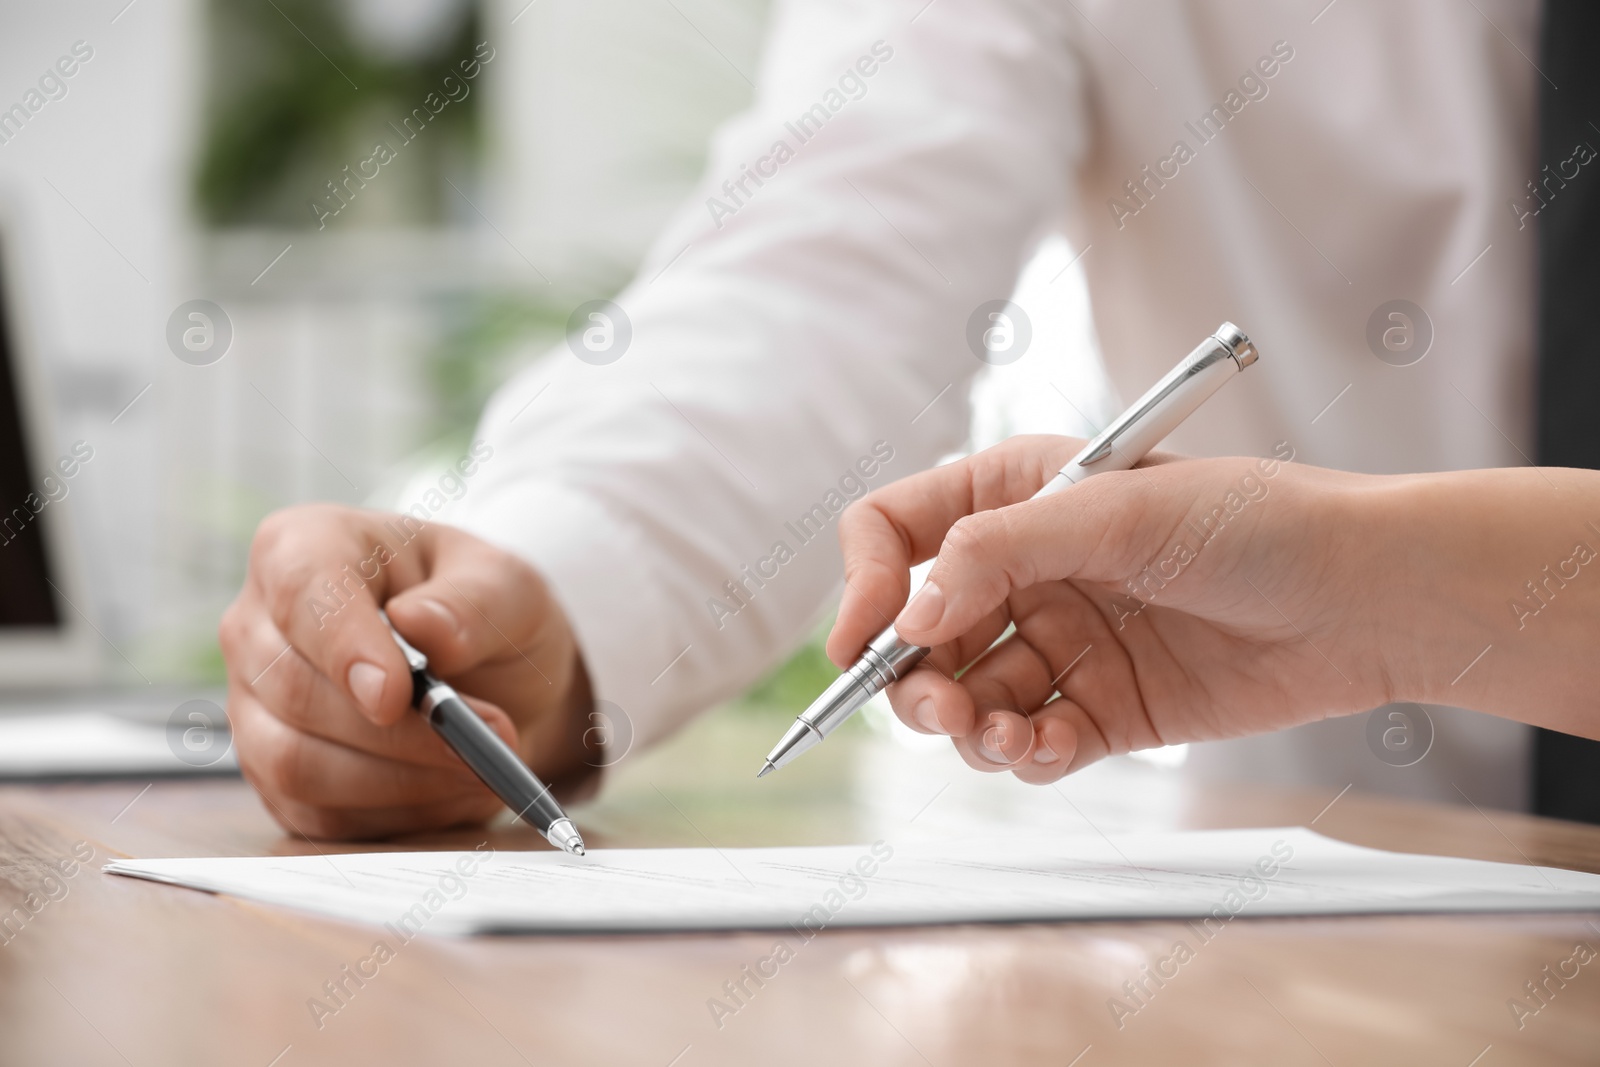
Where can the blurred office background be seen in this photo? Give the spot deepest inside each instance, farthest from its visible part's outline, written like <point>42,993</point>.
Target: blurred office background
<point>180,165</point>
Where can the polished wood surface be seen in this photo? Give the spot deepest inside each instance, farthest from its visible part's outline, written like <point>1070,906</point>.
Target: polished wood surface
<point>118,971</point>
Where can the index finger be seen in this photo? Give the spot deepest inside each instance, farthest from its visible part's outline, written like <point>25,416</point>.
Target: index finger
<point>323,572</point>
<point>888,531</point>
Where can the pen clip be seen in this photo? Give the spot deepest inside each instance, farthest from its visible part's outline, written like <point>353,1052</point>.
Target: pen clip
<point>414,658</point>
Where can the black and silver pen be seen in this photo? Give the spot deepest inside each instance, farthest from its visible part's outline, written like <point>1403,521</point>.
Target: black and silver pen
<point>490,758</point>
<point>1118,447</point>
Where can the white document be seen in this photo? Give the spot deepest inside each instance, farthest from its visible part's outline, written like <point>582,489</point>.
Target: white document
<point>1209,876</point>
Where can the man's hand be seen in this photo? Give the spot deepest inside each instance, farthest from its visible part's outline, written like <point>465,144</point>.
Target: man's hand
<point>1182,601</point>
<point>319,694</point>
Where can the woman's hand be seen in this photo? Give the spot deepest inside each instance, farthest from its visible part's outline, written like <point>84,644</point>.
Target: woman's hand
<point>1186,600</point>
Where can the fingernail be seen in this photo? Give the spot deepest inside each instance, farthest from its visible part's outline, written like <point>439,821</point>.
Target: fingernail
<point>366,684</point>
<point>1043,753</point>
<point>924,611</point>
<point>992,742</point>
<point>443,612</point>
<point>928,715</point>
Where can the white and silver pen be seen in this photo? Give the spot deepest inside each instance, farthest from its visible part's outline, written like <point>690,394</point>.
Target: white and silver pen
<point>1118,447</point>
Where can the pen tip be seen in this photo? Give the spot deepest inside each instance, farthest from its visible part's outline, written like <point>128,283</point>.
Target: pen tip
<point>766,770</point>
<point>565,836</point>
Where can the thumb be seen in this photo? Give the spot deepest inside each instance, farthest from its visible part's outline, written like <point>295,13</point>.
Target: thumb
<point>1086,531</point>
<point>476,604</point>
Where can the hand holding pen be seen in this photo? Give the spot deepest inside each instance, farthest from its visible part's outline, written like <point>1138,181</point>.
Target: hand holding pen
<point>319,694</point>
<point>933,498</point>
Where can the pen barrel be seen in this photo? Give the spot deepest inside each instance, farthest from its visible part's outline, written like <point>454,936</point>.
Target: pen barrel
<point>886,660</point>
<point>489,757</point>
<point>1162,409</point>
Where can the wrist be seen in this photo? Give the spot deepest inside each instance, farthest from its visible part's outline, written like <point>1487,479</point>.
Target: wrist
<point>580,749</point>
<point>1391,599</point>
<point>1458,546</point>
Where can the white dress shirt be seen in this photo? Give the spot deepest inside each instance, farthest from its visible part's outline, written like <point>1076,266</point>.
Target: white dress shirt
<point>811,304</point>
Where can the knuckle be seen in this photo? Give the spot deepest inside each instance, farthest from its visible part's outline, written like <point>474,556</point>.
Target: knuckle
<point>323,824</point>
<point>285,765</point>
<point>479,806</point>
<point>275,810</point>
<point>277,529</point>
<point>284,569</point>
<point>288,549</point>
<point>308,820</point>
<point>274,765</point>
<point>969,539</point>
<point>289,585</point>
<point>397,779</point>
<point>854,514</point>
<point>873,575</point>
<point>250,769</point>
<point>231,628</point>
<point>527,586</point>
<point>864,519</point>
<point>292,683</point>
<point>1009,544</point>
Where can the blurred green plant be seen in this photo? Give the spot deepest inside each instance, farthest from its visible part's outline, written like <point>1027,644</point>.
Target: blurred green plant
<point>788,690</point>
<point>483,343</point>
<point>293,97</point>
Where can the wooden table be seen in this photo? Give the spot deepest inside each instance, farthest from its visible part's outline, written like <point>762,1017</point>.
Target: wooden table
<point>119,971</point>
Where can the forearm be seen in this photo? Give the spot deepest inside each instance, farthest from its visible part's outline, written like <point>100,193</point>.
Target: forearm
<point>1487,585</point>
